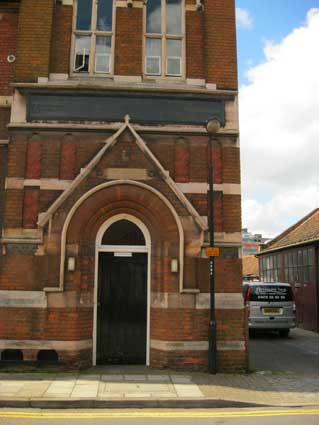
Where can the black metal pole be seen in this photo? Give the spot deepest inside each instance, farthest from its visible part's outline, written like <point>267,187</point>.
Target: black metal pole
<point>212,348</point>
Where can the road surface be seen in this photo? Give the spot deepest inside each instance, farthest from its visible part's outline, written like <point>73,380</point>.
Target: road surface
<point>271,416</point>
<point>299,353</point>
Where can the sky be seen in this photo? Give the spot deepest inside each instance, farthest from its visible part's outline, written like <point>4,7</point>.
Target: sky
<point>278,67</point>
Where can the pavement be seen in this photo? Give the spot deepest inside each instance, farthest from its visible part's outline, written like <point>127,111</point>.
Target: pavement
<point>284,374</point>
<point>138,387</point>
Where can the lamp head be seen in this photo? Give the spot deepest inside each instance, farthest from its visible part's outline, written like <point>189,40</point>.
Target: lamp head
<point>213,126</point>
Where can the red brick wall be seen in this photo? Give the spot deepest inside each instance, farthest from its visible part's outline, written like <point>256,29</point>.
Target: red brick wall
<point>220,38</point>
<point>61,39</point>
<point>17,157</point>
<point>195,43</point>
<point>182,161</point>
<point>8,40</point>
<point>30,207</point>
<point>227,273</point>
<point>57,155</point>
<point>4,121</point>
<point>179,360</point>
<point>44,44</point>
<point>128,41</point>
<point>33,162</point>
<point>232,213</point>
<point>34,39</point>
<point>51,157</point>
<point>13,208</point>
<point>217,163</point>
<point>179,324</point>
<point>51,149</point>
<point>231,164</point>
<point>3,172</point>
<point>34,273</point>
<point>49,324</point>
<point>67,161</point>
<point>210,41</point>
<point>47,197</point>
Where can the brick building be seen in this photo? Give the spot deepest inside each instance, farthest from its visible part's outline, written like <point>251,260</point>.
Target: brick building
<point>293,257</point>
<point>104,171</point>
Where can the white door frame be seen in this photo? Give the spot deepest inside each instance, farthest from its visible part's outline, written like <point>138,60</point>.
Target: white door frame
<point>122,248</point>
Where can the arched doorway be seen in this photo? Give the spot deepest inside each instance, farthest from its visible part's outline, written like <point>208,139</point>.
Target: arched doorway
<point>122,292</point>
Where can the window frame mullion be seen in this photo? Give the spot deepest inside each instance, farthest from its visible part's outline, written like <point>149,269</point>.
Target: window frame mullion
<point>164,30</point>
<point>164,37</point>
<point>93,37</point>
<point>93,34</point>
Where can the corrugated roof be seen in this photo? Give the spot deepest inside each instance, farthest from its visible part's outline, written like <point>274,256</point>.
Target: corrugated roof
<point>305,230</point>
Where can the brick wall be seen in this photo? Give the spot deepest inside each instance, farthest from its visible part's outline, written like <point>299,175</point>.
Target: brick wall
<point>128,41</point>
<point>44,46</point>
<point>62,156</point>
<point>4,121</point>
<point>182,161</point>
<point>3,170</point>
<point>195,43</point>
<point>17,156</point>
<point>34,39</point>
<point>231,164</point>
<point>33,160</point>
<point>210,41</point>
<point>61,39</point>
<point>8,39</point>
<point>58,155</point>
<point>13,208</point>
<point>48,324</point>
<point>232,215</point>
<point>220,48</point>
<point>67,160</point>
<point>30,207</point>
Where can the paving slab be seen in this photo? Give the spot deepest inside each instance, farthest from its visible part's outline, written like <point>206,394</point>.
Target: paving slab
<point>158,378</point>
<point>112,378</point>
<point>138,378</point>
<point>142,387</point>
<point>139,395</point>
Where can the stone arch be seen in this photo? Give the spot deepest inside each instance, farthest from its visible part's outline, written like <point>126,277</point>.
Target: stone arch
<point>131,197</point>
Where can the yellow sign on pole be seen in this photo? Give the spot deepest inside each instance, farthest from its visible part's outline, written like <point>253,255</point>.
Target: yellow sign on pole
<point>212,251</point>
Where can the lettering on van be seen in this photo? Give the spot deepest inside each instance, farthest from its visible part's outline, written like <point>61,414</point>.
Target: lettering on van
<point>268,293</point>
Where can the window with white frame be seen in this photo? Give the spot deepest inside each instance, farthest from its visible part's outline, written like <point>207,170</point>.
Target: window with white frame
<point>164,38</point>
<point>93,37</point>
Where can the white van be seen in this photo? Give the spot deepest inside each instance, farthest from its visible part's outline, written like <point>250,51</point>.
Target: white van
<point>271,306</point>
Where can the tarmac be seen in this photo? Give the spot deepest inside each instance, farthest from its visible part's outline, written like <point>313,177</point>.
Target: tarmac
<point>142,387</point>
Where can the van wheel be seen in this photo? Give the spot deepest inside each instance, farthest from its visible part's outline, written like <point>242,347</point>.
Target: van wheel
<point>284,333</point>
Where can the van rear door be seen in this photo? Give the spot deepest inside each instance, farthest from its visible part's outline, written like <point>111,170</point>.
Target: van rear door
<point>271,305</point>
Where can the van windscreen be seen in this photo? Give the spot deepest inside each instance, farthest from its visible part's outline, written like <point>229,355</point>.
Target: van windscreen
<point>270,293</point>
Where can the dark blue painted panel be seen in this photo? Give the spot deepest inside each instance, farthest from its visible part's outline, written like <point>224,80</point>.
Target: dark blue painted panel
<point>142,108</point>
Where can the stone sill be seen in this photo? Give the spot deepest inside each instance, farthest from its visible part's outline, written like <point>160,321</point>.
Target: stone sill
<point>96,84</point>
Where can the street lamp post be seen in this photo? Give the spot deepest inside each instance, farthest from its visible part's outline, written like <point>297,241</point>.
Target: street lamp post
<point>213,127</point>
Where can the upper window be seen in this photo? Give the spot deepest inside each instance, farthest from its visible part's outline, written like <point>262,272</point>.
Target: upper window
<point>164,38</point>
<point>93,37</point>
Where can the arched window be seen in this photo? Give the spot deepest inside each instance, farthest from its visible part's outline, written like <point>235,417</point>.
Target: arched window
<point>123,232</point>
<point>93,37</point>
<point>164,38</point>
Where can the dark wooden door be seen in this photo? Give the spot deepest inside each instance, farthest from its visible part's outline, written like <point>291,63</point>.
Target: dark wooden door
<point>122,309</point>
